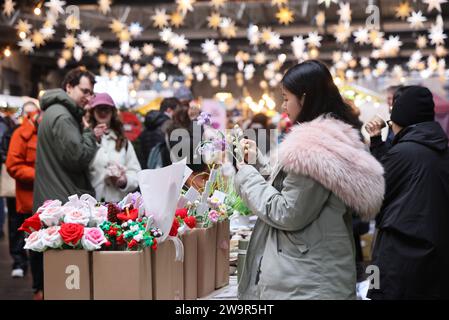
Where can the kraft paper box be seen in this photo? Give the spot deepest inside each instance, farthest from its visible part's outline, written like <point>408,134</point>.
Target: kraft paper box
<point>207,239</point>
<point>222,258</point>
<point>190,242</point>
<point>122,275</point>
<point>167,274</point>
<point>67,275</point>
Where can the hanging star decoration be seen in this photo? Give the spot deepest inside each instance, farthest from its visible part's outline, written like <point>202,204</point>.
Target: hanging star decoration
<point>214,20</point>
<point>314,40</point>
<point>298,46</point>
<point>47,32</point>
<point>178,42</point>
<point>160,18</point>
<point>116,26</point>
<point>327,2</point>
<point>376,38</point>
<point>124,35</point>
<point>124,48</point>
<point>417,20</point>
<point>84,36</point>
<point>437,35</point>
<point>275,41</point>
<point>26,45</point>
<point>166,34</point>
<point>23,26</point>
<point>69,41</point>
<point>135,29</point>
<point>157,62</point>
<point>135,54</point>
<point>260,58</point>
<point>104,6</point>
<point>342,32</point>
<point>266,35</point>
<point>223,47</point>
<point>345,12</point>
<point>279,3</point>
<point>176,19</point>
<point>253,34</point>
<point>217,4</point>
<point>403,11</point>
<point>320,19</point>
<point>361,36</point>
<point>421,42</point>
<point>365,62</point>
<point>92,45</point>
<point>148,49</point>
<point>8,7</point>
<point>72,22</point>
<point>55,7</point>
<point>228,28</point>
<point>185,5</point>
<point>434,4</point>
<point>38,39</point>
<point>285,16</point>
<point>391,46</point>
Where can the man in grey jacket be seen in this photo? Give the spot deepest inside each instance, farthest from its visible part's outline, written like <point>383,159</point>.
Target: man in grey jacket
<point>65,143</point>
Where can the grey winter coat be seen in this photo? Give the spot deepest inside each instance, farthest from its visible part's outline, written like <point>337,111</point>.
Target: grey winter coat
<point>302,245</point>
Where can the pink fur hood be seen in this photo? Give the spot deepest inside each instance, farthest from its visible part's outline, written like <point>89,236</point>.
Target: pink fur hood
<point>330,152</point>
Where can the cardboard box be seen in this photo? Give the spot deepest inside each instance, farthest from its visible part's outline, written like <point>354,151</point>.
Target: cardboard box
<point>167,274</point>
<point>222,257</point>
<point>190,241</point>
<point>122,275</point>
<point>67,275</point>
<point>207,251</point>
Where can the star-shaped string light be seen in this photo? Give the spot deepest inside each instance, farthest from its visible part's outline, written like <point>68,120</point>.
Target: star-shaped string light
<point>69,41</point>
<point>298,46</point>
<point>148,49</point>
<point>361,36</point>
<point>342,32</point>
<point>176,19</point>
<point>104,6</point>
<point>116,26</point>
<point>214,20</point>
<point>135,29</point>
<point>314,40</point>
<point>320,19</point>
<point>223,47</point>
<point>421,42</point>
<point>217,4</point>
<point>285,16</point>
<point>8,7</point>
<point>23,26</point>
<point>160,18</point>
<point>403,11</point>
<point>55,6</point>
<point>417,20</point>
<point>260,58</point>
<point>437,35</point>
<point>434,4</point>
<point>345,12</point>
<point>26,45</point>
<point>185,5</point>
<point>228,28</point>
<point>38,39</point>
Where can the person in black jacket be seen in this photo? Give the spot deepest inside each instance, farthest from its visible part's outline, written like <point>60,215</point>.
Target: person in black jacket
<point>156,124</point>
<point>378,147</point>
<point>412,246</point>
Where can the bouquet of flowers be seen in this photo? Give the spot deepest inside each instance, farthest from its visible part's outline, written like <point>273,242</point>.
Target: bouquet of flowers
<point>82,223</point>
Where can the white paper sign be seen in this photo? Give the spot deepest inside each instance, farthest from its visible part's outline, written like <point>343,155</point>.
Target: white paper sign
<point>219,195</point>
<point>160,190</point>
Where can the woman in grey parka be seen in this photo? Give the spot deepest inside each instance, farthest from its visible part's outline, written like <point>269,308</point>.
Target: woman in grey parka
<point>302,245</point>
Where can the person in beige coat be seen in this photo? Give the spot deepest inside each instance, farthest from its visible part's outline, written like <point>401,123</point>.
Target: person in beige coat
<point>302,245</point>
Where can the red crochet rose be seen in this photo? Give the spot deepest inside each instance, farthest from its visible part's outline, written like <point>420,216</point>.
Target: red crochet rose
<point>128,215</point>
<point>154,246</point>
<point>31,224</point>
<point>71,233</point>
<point>182,213</point>
<point>174,228</point>
<point>190,221</point>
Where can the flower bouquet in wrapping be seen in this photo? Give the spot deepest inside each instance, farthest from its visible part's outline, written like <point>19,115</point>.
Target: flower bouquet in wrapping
<point>83,223</point>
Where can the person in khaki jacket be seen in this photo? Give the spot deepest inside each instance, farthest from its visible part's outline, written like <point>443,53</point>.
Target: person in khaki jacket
<point>302,245</point>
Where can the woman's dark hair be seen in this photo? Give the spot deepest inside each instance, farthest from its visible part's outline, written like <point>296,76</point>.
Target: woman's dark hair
<point>322,96</point>
<point>116,125</point>
<point>74,76</point>
<point>180,119</point>
<point>169,103</point>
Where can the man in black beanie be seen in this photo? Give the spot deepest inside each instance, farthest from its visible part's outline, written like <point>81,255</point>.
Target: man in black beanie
<point>412,246</point>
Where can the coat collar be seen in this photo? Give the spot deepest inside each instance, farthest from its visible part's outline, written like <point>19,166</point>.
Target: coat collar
<point>330,152</point>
